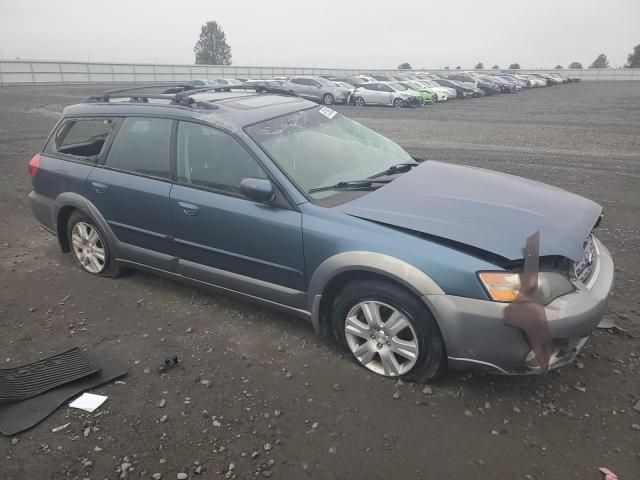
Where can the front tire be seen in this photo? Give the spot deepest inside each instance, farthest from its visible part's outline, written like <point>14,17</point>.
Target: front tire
<point>360,102</point>
<point>89,246</point>
<point>328,99</point>
<point>398,103</point>
<point>389,331</point>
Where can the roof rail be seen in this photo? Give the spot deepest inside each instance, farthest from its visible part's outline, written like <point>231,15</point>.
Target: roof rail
<point>105,96</point>
<point>178,98</point>
<point>183,96</point>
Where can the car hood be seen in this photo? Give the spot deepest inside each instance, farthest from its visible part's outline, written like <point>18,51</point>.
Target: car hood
<point>491,211</point>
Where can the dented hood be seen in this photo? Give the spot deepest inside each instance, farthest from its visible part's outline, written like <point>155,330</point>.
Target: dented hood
<point>492,211</point>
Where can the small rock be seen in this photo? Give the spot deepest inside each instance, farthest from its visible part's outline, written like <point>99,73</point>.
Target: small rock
<point>481,462</point>
<point>86,432</point>
<point>516,410</point>
<point>163,460</point>
<point>60,428</point>
<point>636,407</point>
<point>255,455</point>
<point>156,476</point>
<point>198,470</point>
<point>188,330</point>
<point>97,449</point>
<point>277,413</point>
<point>163,418</point>
<point>494,432</point>
<point>266,473</point>
<point>336,387</point>
<point>396,394</point>
<point>267,447</point>
<point>427,391</point>
<point>216,423</point>
<point>162,403</point>
<point>579,365</point>
<point>182,476</point>
<point>635,426</point>
<point>315,425</point>
<point>15,441</point>
<point>332,450</point>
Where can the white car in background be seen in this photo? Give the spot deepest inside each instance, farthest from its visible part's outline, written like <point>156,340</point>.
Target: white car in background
<point>430,84</point>
<point>386,93</point>
<point>365,78</point>
<point>227,81</point>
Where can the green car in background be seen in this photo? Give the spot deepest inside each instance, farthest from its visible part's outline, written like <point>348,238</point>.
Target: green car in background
<point>428,96</point>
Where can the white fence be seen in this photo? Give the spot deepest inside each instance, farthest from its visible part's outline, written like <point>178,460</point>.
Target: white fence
<point>22,72</point>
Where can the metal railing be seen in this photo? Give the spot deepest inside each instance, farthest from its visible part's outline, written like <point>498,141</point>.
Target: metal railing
<point>28,72</point>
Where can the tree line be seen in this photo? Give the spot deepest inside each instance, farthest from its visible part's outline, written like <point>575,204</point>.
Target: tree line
<point>212,49</point>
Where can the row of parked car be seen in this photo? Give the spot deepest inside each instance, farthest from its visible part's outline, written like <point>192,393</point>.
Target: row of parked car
<point>397,90</point>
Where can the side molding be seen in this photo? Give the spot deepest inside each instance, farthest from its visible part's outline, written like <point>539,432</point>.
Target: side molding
<point>398,270</point>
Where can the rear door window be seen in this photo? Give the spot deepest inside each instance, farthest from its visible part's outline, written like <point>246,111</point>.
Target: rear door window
<point>82,138</point>
<point>142,146</point>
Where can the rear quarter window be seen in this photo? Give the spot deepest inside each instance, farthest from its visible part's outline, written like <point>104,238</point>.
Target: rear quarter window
<point>81,138</point>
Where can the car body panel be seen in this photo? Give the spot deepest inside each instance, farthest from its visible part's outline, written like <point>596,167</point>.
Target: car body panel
<point>491,211</point>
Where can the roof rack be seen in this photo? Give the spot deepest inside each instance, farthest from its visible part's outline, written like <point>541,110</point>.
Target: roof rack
<point>179,98</point>
<point>185,95</point>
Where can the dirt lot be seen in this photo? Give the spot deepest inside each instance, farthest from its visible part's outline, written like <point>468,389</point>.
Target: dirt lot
<point>258,395</point>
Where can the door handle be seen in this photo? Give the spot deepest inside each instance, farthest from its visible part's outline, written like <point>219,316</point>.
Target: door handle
<point>189,208</point>
<point>99,187</point>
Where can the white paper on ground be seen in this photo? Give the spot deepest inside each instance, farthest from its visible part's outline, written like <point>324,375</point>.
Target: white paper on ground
<point>88,402</point>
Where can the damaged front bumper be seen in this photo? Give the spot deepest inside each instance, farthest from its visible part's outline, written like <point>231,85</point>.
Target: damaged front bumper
<point>477,337</point>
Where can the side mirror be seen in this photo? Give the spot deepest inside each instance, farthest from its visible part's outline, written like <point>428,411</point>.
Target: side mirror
<point>258,189</point>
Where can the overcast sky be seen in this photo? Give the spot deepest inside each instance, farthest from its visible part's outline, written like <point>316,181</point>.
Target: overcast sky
<point>327,33</point>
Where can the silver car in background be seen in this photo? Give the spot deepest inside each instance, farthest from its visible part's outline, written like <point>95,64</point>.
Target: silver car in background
<point>317,89</point>
<point>386,93</point>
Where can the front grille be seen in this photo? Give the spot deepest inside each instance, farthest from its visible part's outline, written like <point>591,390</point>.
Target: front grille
<point>586,267</point>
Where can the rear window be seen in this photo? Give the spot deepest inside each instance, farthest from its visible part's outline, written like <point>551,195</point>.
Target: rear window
<point>82,138</point>
<point>142,146</point>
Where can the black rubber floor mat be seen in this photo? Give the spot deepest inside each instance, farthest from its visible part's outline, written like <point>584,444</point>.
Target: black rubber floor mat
<point>31,380</point>
<point>20,416</point>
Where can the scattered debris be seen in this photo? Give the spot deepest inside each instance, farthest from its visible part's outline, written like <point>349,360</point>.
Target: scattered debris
<point>60,428</point>
<point>88,402</point>
<point>608,474</point>
<point>168,364</point>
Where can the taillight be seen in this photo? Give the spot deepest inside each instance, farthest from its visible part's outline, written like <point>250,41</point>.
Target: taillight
<point>34,165</point>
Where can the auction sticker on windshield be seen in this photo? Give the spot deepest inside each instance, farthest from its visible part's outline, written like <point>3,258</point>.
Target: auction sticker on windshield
<point>327,112</point>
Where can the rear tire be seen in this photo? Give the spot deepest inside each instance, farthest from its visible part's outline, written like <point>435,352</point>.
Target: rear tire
<point>404,341</point>
<point>89,246</point>
<point>328,99</point>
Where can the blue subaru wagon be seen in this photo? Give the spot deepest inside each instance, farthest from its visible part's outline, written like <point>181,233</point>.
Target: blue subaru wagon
<point>411,265</point>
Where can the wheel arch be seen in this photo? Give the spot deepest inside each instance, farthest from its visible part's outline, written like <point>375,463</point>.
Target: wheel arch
<point>333,273</point>
<point>67,203</point>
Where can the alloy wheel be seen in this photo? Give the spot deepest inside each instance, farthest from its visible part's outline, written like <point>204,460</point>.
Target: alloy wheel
<point>88,247</point>
<point>381,338</point>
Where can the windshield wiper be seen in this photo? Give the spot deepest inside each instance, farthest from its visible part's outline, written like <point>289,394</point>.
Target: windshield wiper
<point>397,168</point>
<point>347,185</point>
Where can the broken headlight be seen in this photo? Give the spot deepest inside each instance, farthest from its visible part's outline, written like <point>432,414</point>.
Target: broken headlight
<point>505,286</point>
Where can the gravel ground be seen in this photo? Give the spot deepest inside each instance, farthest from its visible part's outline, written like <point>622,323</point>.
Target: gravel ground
<point>258,395</point>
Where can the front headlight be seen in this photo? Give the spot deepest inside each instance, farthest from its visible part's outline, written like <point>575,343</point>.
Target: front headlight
<point>505,286</point>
